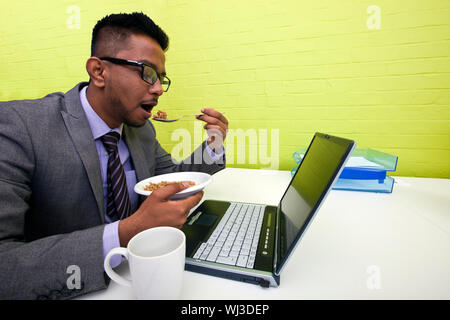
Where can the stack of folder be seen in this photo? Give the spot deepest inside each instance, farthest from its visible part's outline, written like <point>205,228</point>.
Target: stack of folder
<point>366,170</point>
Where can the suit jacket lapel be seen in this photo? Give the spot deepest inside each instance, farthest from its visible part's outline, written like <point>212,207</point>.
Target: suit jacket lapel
<point>137,153</point>
<point>140,163</point>
<point>81,134</point>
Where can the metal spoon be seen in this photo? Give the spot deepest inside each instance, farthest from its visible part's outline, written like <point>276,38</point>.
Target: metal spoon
<point>173,120</point>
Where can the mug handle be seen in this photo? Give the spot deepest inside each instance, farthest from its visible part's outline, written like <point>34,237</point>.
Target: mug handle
<point>110,272</point>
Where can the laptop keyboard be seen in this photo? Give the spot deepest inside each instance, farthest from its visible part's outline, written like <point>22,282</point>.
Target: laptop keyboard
<point>235,239</point>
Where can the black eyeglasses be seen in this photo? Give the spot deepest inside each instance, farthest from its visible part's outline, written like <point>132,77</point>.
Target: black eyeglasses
<point>148,74</point>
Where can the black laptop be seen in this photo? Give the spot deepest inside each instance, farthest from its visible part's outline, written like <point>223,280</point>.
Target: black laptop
<point>252,242</point>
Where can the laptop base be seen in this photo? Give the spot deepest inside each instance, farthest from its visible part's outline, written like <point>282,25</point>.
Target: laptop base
<point>264,280</point>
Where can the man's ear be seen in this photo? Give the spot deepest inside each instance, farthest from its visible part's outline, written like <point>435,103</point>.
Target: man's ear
<point>96,70</point>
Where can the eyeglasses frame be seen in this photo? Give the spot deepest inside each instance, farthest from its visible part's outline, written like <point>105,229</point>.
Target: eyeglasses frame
<point>141,65</point>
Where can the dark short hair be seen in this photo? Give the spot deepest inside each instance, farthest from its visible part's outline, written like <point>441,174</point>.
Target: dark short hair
<point>112,31</point>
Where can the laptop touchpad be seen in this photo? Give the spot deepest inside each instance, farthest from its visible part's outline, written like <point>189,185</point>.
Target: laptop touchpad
<point>206,219</point>
<point>197,230</point>
<point>200,224</point>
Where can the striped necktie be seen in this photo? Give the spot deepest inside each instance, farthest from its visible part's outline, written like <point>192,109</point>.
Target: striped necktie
<point>118,201</point>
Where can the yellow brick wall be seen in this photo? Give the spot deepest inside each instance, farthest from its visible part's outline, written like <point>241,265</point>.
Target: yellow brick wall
<point>374,71</point>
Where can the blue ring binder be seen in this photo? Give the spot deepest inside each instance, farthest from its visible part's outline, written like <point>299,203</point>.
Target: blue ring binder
<point>358,173</point>
<point>362,178</point>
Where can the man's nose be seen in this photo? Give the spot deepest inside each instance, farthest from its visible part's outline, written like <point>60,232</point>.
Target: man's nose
<point>156,88</point>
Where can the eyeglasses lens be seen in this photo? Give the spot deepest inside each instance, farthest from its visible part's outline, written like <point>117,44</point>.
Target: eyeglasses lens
<point>151,76</point>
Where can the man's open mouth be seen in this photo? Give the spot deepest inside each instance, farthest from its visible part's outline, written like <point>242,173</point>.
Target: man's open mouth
<point>147,107</point>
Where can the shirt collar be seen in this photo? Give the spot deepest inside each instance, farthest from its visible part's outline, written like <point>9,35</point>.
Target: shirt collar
<point>98,126</point>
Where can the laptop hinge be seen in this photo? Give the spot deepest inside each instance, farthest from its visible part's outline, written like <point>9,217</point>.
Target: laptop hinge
<point>277,240</point>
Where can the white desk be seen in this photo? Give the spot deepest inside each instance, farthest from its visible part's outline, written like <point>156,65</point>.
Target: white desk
<point>360,245</point>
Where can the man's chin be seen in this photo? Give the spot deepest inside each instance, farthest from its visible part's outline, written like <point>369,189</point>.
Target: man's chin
<point>135,123</point>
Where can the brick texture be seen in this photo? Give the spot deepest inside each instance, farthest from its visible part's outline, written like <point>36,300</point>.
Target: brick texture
<point>285,67</point>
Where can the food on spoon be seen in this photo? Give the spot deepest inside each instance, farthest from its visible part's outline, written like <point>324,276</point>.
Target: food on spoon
<point>160,115</point>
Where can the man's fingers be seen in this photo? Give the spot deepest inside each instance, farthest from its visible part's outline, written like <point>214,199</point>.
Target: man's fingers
<point>215,114</point>
<point>169,190</point>
<point>193,200</point>
<point>212,116</point>
<point>212,120</point>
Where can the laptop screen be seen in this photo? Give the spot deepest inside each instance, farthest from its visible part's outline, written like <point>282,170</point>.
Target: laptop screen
<point>321,163</point>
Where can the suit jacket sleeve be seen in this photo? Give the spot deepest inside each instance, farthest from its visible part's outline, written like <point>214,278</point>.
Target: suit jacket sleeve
<point>56,266</point>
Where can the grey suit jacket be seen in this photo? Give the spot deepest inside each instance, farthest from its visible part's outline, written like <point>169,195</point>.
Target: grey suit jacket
<point>51,197</point>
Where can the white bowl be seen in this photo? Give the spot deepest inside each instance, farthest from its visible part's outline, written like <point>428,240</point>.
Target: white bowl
<point>201,180</point>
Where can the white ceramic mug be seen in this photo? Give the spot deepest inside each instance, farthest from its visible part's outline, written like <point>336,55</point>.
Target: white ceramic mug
<point>156,258</point>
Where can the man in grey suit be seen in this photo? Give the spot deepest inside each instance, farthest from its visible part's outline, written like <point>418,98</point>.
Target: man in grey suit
<point>54,178</point>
